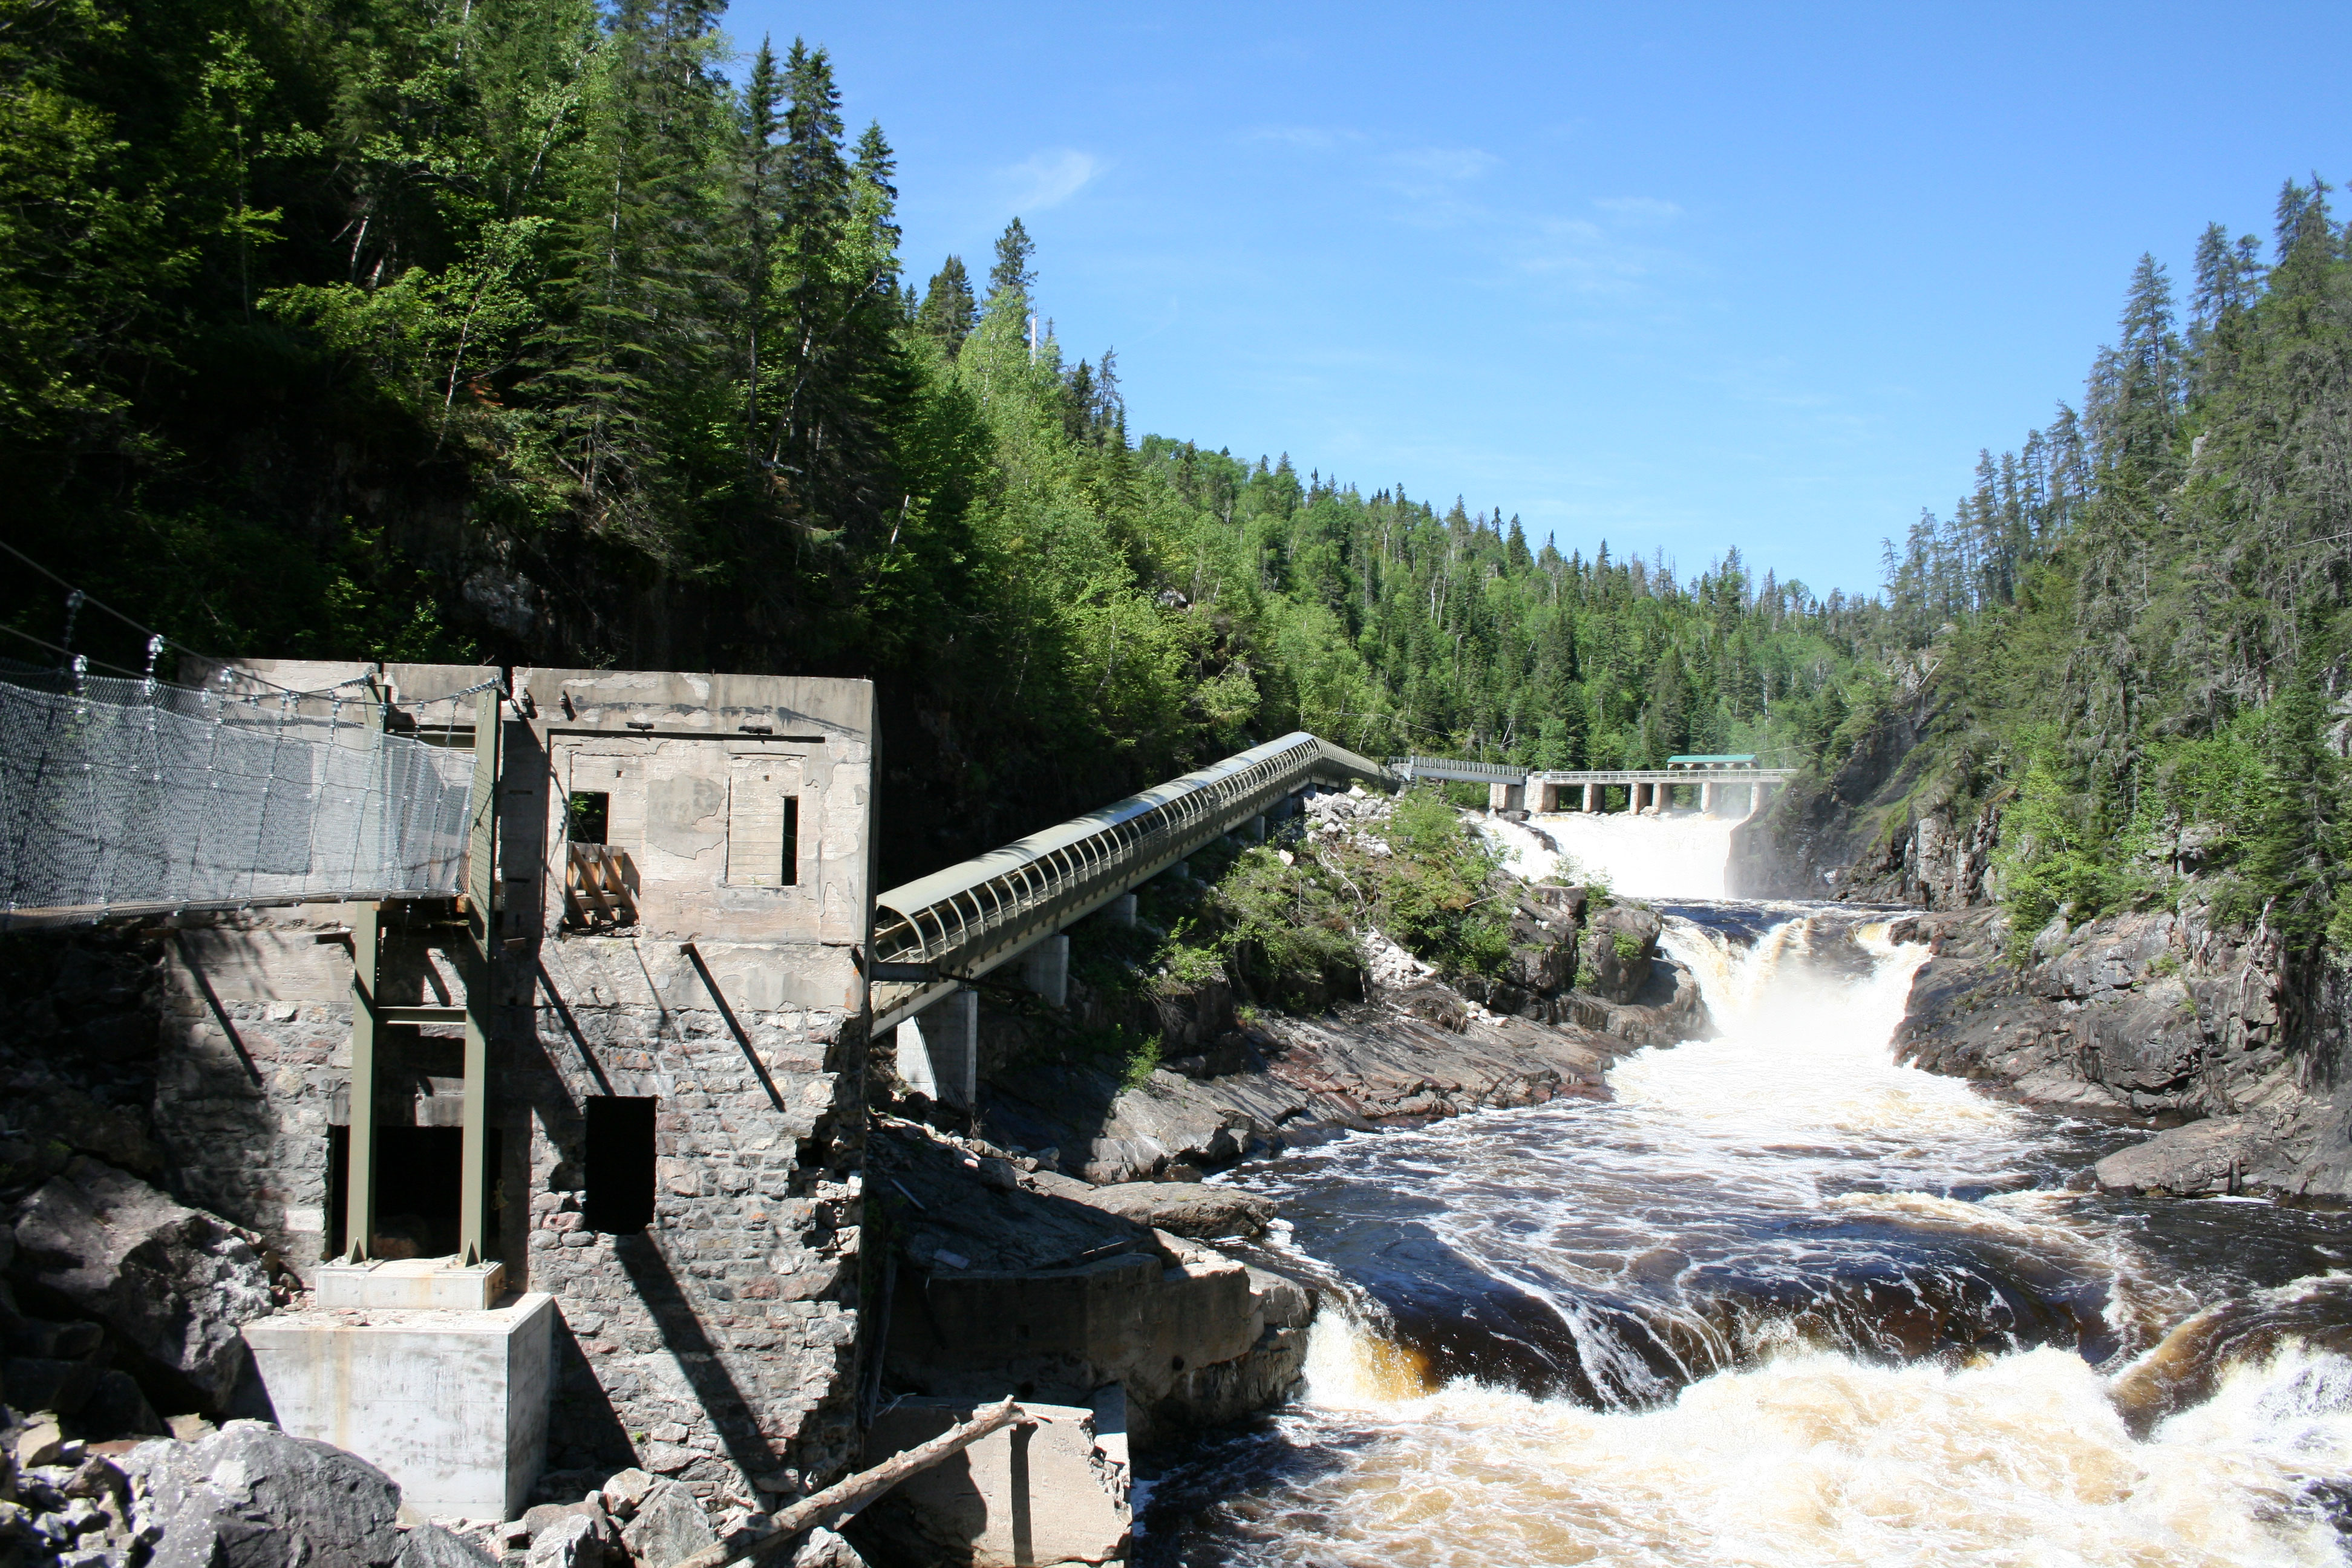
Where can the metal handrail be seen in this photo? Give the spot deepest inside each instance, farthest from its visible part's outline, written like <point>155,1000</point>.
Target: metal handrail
<point>1419,767</point>
<point>957,923</point>
<point>1665,775</point>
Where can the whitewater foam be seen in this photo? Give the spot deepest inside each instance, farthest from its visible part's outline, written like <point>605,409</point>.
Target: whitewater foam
<point>1814,1460</point>
<point>1677,857</point>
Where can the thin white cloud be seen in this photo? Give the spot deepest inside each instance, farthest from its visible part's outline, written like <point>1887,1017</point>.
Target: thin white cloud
<point>1447,164</point>
<point>1640,209</point>
<point>1307,138</point>
<point>1048,179</point>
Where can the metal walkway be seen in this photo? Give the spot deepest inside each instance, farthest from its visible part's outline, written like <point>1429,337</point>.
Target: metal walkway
<point>937,932</point>
<point>136,797</point>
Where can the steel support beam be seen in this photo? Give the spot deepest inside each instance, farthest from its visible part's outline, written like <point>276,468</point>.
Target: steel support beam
<point>481,937</point>
<point>359,1143</point>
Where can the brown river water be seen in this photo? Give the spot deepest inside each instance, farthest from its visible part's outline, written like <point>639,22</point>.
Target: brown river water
<point>1781,1301</point>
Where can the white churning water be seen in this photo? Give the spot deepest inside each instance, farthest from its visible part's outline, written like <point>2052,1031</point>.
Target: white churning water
<point>1683,857</point>
<point>1782,1301</point>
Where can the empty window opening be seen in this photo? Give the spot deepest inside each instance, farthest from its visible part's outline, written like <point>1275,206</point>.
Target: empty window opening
<point>619,1164</point>
<point>419,1176</point>
<point>587,816</point>
<point>764,824</point>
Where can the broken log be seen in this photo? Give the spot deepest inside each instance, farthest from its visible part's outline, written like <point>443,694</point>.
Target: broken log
<point>858,1490</point>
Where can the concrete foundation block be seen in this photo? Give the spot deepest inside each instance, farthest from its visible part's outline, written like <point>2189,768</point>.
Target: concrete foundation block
<point>1053,1490</point>
<point>1045,968</point>
<point>412,1283</point>
<point>1120,910</point>
<point>450,1404</point>
<point>939,1049</point>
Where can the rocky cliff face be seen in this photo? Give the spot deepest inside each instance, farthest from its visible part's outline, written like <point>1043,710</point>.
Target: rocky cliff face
<point>2155,1016</point>
<point>1888,826</point>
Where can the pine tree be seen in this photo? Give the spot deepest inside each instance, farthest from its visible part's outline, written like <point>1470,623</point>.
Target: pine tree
<point>947,311</point>
<point>1011,278</point>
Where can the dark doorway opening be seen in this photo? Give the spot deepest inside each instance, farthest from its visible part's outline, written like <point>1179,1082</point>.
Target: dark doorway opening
<point>619,1166</point>
<point>418,1177</point>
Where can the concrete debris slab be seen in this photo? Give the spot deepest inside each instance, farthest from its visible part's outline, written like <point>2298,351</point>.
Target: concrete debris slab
<point>1051,1489</point>
<point>1188,1208</point>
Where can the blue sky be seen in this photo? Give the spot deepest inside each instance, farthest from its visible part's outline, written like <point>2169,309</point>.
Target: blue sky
<point>1684,278</point>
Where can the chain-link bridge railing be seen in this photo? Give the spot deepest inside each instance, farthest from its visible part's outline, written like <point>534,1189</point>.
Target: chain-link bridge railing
<point>121,797</point>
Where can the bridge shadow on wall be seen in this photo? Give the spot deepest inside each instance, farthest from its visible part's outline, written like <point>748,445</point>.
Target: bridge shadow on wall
<point>583,1430</point>
<point>682,1331</point>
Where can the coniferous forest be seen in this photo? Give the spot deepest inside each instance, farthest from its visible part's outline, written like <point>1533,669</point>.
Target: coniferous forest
<point>558,332</point>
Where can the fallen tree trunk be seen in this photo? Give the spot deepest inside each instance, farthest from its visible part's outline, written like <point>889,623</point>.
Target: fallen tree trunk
<point>858,1490</point>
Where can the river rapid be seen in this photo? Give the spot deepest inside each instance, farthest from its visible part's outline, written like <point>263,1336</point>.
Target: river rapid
<point>1780,1301</point>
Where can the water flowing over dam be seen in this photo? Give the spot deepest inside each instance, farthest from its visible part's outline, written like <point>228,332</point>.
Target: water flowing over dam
<point>1779,1300</point>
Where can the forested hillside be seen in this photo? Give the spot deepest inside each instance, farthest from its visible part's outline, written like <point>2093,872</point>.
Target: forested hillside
<point>524,333</point>
<point>2134,637</point>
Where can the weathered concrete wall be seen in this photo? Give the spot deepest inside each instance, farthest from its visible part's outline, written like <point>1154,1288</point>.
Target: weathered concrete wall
<point>1053,1489</point>
<point>451,1405</point>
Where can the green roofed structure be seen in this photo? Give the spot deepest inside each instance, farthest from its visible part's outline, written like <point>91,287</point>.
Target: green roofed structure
<point>1715,759</point>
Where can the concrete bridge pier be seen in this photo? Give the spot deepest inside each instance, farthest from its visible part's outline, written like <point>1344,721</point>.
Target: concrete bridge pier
<point>939,1049</point>
<point>1120,910</point>
<point>1045,968</point>
<point>1706,799</point>
<point>1506,796</point>
<point>1592,797</point>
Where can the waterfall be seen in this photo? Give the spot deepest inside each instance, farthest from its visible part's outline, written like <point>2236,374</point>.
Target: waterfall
<point>1676,857</point>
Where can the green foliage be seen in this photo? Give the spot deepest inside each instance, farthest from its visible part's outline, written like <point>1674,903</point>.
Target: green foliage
<point>1142,1059</point>
<point>520,333</point>
<point>2144,624</point>
<point>1628,945</point>
<point>1434,893</point>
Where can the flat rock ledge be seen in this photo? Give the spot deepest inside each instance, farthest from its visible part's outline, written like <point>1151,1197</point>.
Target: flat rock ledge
<point>2196,1160</point>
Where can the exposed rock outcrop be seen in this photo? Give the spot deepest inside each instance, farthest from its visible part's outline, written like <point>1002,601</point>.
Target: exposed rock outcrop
<point>1890,826</point>
<point>1416,1050</point>
<point>2154,1016</point>
<point>175,1283</point>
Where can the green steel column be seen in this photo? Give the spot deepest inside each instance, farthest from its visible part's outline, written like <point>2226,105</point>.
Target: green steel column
<point>359,1147</point>
<point>481,933</point>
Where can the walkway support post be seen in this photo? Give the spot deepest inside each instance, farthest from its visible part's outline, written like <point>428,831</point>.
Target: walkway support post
<point>481,938</point>
<point>359,1140</point>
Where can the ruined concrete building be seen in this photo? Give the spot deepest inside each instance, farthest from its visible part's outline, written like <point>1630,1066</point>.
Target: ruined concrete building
<point>667,1118</point>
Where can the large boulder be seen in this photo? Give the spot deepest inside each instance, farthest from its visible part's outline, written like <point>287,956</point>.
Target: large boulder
<point>1545,925</point>
<point>669,1527</point>
<point>430,1546</point>
<point>1188,1208</point>
<point>1618,943</point>
<point>2210,1156</point>
<point>174,1282</point>
<point>249,1496</point>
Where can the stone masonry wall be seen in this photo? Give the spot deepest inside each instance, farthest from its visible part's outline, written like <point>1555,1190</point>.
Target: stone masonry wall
<point>719,1344</point>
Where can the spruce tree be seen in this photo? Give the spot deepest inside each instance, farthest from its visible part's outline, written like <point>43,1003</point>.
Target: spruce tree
<point>948,312</point>
<point>1012,279</point>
